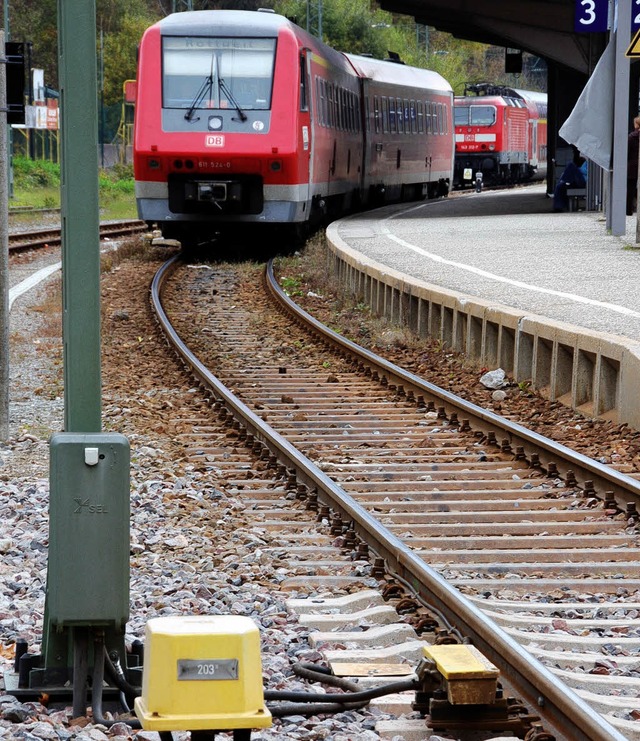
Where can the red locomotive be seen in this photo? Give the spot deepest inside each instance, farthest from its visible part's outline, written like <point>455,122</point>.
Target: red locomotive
<point>500,132</point>
<point>244,118</point>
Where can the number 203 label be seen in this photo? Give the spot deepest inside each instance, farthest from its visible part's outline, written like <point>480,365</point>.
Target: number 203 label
<point>207,669</point>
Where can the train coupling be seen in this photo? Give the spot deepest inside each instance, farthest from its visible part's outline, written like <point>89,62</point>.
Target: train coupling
<point>459,690</point>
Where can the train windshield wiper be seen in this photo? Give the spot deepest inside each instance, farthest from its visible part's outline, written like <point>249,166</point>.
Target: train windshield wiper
<point>205,91</point>
<point>222,85</point>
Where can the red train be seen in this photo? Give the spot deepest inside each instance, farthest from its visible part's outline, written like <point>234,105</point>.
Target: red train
<point>501,132</point>
<point>244,118</point>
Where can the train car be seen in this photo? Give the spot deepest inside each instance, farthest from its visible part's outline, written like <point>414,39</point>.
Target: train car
<point>500,132</point>
<point>243,118</point>
<point>408,130</point>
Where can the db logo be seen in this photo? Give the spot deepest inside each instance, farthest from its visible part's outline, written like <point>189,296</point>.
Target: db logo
<point>214,140</point>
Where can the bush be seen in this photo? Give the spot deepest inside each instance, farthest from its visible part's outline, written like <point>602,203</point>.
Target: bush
<point>29,174</point>
<point>117,181</point>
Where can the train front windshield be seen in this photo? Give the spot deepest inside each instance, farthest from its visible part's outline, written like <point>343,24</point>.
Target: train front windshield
<point>474,115</point>
<point>217,73</point>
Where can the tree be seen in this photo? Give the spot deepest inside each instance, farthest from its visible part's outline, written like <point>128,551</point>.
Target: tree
<point>119,55</point>
<point>36,22</point>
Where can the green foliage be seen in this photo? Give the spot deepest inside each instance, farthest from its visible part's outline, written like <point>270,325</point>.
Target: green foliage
<point>361,27</point>
<point>44,177</point>
<point>29,174</point>
<point>119,55</point>
<point>115,182</point>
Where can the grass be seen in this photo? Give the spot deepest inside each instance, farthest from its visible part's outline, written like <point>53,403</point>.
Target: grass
<point>36,184</point>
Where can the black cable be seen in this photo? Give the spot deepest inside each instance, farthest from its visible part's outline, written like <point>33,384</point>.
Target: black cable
<point>282,711</point>
<point>322,674</point>
<point>119,680</point>
<point>344,698</point>
<point>97,680</point>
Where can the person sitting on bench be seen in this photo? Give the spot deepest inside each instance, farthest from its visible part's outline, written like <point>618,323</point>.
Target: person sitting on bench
<point>574,176</point>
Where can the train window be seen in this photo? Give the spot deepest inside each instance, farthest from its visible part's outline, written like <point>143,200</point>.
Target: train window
<point>376,114</point>
<point>392,115</point>
<point>319,102</point>
<point>413,117</point>
<point>461,115</point>
<point>209,72</point>
<point>352,112</point>
<point>420,117</point>
<point>482,115</point>
<point>399,116</point>
<point>385,115</point>
<point>304,97</point>
<point>345,110</point>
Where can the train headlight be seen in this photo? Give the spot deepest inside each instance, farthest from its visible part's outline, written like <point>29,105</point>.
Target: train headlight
<point>492,147</point>
<point>215,123</point>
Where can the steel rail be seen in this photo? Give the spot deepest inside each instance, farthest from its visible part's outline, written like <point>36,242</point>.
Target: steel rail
<point>604,477</point>
<point>52,237</point>
<point>568,715</point>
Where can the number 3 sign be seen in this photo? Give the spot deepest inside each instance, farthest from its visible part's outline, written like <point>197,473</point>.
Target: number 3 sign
<point>593,15</point>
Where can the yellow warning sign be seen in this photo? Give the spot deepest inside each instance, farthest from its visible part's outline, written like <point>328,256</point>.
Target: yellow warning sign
<point>633,51</point>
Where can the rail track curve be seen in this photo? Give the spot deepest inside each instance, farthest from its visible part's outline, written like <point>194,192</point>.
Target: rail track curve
<point>420,475</point>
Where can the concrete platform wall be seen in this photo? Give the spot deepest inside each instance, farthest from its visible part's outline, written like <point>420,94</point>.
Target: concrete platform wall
<point>595,373</point>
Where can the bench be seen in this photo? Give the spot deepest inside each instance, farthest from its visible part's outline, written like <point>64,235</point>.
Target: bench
<point>575,195</point>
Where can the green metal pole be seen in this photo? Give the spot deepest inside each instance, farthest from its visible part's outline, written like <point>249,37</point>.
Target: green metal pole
<point>80,214</point>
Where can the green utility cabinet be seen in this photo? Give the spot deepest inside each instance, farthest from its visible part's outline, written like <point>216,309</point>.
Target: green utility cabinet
<point>88,571</point>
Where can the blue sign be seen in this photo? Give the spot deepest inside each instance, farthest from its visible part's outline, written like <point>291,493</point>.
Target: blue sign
<point>635,16</point>
<point>593,16</point>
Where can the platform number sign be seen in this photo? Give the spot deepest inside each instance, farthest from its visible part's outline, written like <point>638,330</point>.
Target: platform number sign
<point>591,16</point>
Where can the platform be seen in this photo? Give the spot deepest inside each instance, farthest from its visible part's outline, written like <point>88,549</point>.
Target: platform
<point>549,297</point>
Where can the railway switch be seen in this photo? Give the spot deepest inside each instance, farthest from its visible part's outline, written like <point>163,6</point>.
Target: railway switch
<point>469,677</point>
<point>459,691</point>
<point>202,673</point>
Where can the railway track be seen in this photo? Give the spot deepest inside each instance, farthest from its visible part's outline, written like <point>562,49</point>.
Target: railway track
<point>52,237</point>
<point>527,547</point>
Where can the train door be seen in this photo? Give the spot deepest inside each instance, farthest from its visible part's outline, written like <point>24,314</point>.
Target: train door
<point>307,139</point>
<point>371,109</point>
<point>533,144</point>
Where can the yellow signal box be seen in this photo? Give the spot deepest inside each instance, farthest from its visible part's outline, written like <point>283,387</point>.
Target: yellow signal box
<point>202,673</point>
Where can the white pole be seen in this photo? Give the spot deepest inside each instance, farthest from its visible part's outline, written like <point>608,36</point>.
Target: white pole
<point>4,253</point>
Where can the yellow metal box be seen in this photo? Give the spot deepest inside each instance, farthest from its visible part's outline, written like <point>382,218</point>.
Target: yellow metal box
<point>202,673</point>
<point>470,677</point>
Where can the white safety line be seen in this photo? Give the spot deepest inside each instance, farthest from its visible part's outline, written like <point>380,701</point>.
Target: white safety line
<point>500,278</point>
<point>31,282</point>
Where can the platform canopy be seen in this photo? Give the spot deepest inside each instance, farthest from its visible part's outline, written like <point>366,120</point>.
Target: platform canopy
<point>544,28</point>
